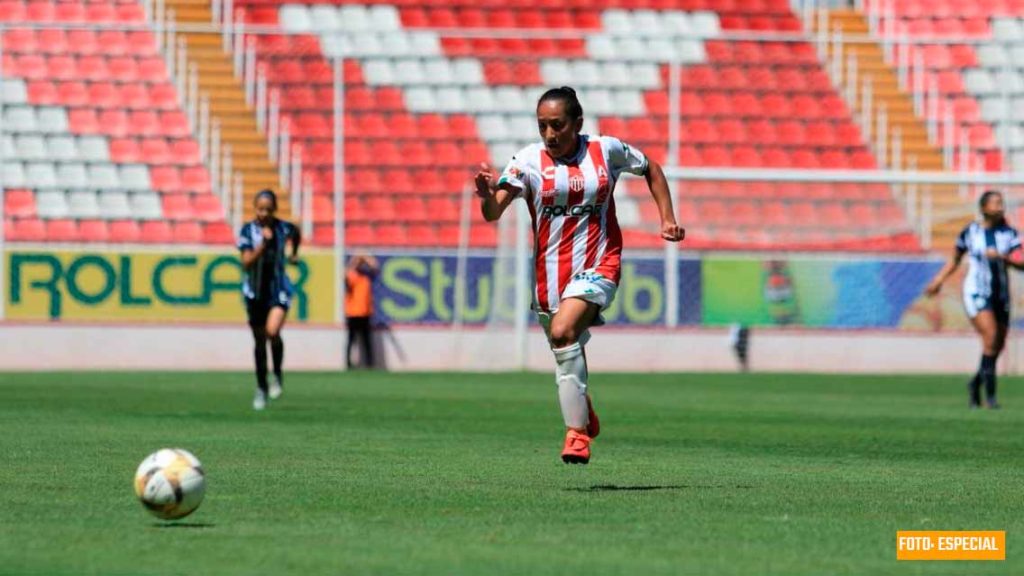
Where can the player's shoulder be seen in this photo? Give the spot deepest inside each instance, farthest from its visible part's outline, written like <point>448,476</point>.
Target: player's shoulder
<point>529,154</point>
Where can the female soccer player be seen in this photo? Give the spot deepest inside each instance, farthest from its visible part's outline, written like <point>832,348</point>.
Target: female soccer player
<point>567,182</point>
<point>264,243</point>
<point>986,290</point>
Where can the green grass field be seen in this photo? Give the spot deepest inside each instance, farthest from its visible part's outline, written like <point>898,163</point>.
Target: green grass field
<point>459,474</point>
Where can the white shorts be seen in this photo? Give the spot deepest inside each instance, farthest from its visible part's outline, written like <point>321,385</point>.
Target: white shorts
<point>587,285</point>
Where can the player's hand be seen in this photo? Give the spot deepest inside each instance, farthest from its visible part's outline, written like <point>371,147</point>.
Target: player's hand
<point>932,290</point>
<point>486,181</point>
<point>993,254</point>
<point>672,232</point>
<point>268,233</point>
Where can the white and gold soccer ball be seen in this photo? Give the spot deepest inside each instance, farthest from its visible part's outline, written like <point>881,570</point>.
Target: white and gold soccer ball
<point>170,483</point>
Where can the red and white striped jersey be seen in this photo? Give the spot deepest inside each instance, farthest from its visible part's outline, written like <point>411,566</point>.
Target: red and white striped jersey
<point>572,209</point>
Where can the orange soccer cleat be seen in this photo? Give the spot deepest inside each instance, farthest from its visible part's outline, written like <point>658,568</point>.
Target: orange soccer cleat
<point>577,448</point>
<point>593,424</point>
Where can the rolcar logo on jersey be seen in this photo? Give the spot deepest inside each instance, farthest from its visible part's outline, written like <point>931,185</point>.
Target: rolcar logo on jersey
<point>579,210</point>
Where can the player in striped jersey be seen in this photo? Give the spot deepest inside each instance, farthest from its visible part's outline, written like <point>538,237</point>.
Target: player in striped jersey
<point>988,245</point>
<point>567,182</point>
<point>264,244</point>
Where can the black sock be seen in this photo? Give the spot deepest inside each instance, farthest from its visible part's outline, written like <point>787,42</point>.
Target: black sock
<point>988,376</point>
<point>974,388</point>
<point>261,364</point>
<point>277,350</point>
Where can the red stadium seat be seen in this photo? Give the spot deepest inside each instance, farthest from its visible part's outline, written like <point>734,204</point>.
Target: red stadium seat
<point>126,231</point>
<point>218,233</point>
<point>188,232</point>
<point>62,230</point>
<point>19,203</point>
<point>125,150</point>
<point>93,231</point>
<point>155,232</point>
<point>207,208</point>
<point>25,230</point>
<point>195,180</point>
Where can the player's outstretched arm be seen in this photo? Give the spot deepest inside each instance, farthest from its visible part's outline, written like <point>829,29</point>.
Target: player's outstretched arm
<point>658,185</point>
<point>493,198</point>
<point>947,270</point>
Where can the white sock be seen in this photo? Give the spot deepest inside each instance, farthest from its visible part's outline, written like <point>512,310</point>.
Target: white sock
<point>571,377</point>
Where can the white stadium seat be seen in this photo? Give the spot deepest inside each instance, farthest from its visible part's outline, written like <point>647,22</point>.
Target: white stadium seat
<point>379,72</point>
<point>438,71</point>
<point>113,204</point>
<point>323,18</point>
<point>135,177</point>
<point>395,44</point>
<point>617,22</point>
<point>480,99</point>
<point>419,99</point>
<point>409,71</point>
<point>146,206</point>
<point>468,71</point>
<point>30,147</point>
<point>82,204</point>
<point>93,149</point>
<point>632,49</point>
<point>995,109</point>
<point>14,175</point>
<point>601,47</point>
<point>103,176</point>
<point>648,23</point>
<point>510,99</point>
<point>294,18</point>
<point>586,73</point>
<point>992,56</point>
<point>705,24</point>
<point>645,76</point>
<point>675,22</point>
<point>335,45</point>
<point>425,43</point>
<point>7,147</point>
<point>660,49</point>
<point>53,120</point>
<point>1006,29</point>
<point>492,127</point>
<point>555,72</point>
<point>72,175</point>
<point>615,74</point>
<point>20,119</point>
<point>353,17</point>
<point>691,51</point>
<point>364,44</point>
<point>14,91</point>
<point>41,175</point>
<point>978,82</point>
<point>450,99</point>
<point>51,204</point>
<point>384,17</point>
<point>62,148</point>
<point>629,103</point>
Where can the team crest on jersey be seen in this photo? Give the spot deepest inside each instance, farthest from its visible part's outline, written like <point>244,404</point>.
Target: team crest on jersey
<point>577,183</point>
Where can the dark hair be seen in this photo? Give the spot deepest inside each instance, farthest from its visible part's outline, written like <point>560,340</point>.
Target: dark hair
<point>573,108</point>
<point>986,197</point>
<point>266,193</point>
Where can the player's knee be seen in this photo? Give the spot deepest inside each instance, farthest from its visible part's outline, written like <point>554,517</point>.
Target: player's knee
<point>273,333</point>
<point>563,334</point>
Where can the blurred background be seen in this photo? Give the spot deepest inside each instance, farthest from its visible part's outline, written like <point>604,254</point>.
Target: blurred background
<point>823,155</point>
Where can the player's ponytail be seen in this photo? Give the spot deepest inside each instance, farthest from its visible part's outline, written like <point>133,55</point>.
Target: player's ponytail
<point>573,108</point>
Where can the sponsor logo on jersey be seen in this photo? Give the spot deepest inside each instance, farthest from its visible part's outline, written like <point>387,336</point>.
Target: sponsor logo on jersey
<point>578,210</point>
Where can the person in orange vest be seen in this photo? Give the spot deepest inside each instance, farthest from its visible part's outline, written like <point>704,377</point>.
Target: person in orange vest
<point>359,275</point>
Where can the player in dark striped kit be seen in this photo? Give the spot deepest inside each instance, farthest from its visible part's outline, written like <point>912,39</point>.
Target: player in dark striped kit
<point>988,245</point>
<point>266,244</point>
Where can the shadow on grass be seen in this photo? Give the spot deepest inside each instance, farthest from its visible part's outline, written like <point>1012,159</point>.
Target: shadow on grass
<point>192,525</point>
<point>655,488</point>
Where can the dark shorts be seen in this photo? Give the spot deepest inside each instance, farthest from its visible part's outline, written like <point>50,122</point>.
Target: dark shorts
<point>258,311</point>
<point>998,306</point>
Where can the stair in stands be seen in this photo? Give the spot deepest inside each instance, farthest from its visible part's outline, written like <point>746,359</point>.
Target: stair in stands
<point>227,104</point>
<point>947,206</point>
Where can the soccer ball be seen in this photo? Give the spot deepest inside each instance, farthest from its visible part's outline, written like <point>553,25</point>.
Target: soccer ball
<point>170,483</point>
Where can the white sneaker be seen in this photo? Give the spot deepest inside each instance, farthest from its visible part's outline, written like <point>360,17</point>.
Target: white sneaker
<point>275,389</point>
<point>259,402</point>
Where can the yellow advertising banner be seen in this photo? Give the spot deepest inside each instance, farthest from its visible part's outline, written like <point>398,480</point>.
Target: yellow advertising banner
<point>151,286</point>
